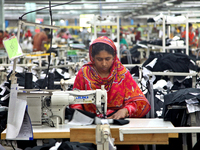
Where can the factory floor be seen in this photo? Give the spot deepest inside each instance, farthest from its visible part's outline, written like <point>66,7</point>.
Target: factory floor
<point>10,148</point>
<point>7,145</point>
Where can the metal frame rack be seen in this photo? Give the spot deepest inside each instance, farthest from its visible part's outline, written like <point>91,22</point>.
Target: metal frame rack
<point>110,23</point>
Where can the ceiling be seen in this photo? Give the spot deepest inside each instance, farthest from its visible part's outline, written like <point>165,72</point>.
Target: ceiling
<point>13,9</point>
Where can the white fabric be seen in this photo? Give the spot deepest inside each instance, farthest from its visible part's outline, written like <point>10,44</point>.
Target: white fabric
<point>160,84</point>
<point>152,63</point>
<point>56,146</point>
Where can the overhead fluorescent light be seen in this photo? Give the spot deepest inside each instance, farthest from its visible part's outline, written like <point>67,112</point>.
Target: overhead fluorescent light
<point>110,7</point>
<point>134,2</point>
<point>67,7</point>
<point>191,2</point>
<point>91,6</point>
<point>12,7</point>
<point>64,12</point>
<point>188,5</point>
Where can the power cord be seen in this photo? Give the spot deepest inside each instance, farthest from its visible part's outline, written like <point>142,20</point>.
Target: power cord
<point>12,145</point>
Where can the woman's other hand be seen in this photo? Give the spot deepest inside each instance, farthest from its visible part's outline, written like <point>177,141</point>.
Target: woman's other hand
<point>121,113</point>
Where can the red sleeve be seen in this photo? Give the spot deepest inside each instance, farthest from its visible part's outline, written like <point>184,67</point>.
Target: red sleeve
<point>77,85</point>
<point>135,100</point>
<point>183,34</point>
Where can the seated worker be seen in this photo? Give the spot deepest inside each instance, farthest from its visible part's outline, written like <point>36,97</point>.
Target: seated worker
<point>125,99</point>
<point>48,43</point>
<point>1,39</point>
<point>62,34</point>
<point>192,38</point>
<point>40,39</point>
<point>123,41</point>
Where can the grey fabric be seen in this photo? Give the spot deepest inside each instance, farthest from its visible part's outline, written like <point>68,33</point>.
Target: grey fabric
<point>2,148</point>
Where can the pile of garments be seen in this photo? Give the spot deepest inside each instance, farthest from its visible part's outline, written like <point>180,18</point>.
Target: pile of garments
<point>165,62</point>
<point>172,62</point>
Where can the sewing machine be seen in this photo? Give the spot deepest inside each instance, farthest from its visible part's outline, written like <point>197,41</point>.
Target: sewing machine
<point>61,99</point>
<point>48,105</point>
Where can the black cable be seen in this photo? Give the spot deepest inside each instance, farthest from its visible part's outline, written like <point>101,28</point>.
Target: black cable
<point>49,122</point>
<point>12,145</point>
<point>49,57</point>
<point>45,8</point>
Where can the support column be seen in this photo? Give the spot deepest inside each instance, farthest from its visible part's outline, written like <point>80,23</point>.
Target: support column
<point>76,24</point>
<point>66,22</point>
<point>2,19</point>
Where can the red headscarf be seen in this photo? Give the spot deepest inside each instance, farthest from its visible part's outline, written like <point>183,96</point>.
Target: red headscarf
<point>28,34</point>
<point>122,90</point>
<point>102,39</point>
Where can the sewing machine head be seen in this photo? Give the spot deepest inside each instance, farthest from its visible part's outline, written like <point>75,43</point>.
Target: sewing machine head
<point>61,99</point>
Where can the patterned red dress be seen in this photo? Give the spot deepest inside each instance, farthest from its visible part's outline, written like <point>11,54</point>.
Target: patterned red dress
<point>122,90</point>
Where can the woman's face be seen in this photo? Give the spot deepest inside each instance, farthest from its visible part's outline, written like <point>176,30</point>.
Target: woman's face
<point>190,28</point>
<point>103,61</point>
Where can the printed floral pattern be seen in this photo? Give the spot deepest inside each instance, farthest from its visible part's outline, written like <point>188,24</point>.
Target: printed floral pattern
<point>123,91</point>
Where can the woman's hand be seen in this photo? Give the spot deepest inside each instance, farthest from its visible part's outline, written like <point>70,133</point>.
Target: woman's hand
<point>121,113</point>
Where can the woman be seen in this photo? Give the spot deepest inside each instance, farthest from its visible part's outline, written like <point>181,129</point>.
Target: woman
<point>125,99</point>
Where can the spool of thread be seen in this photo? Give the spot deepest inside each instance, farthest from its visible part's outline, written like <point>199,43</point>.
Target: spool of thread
<point>57,122</point>
<point>50,81</point>
<point>28,80</point>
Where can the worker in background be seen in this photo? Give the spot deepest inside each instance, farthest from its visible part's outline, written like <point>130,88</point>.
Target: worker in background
<point>84,35</point>
<point>140,29</point>
<point>6,34</point>
<point>198,35</point>
<point>123,42</point>
<point>69,35</point>
<point>178,31</point>
<point>62,34</point>
<point>192,37</point>
<point>28,34</point>
<point>103,30</point>
<point>197,31</point>
<point>138,33</point>
<point>3,35</point>
<point>21,36</point>
<point>48,43</point>
<point>1,39</point>
<point>40,39</point>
